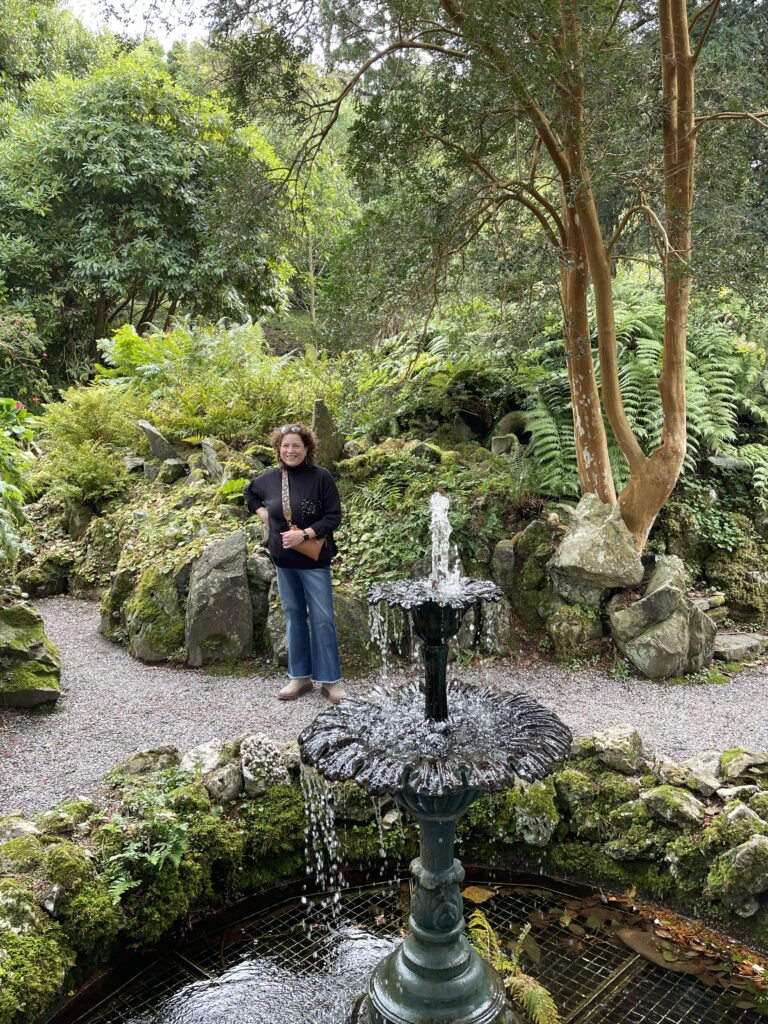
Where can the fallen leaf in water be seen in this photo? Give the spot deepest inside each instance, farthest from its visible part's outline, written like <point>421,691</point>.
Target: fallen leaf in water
<point>538,920</point>
<point>532,948</point>
<point>477,894</point>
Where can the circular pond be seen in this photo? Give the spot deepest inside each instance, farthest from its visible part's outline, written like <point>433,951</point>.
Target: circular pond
<point>304,959</point>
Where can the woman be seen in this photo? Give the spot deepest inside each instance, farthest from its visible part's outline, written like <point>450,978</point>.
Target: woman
<point>304,584</point>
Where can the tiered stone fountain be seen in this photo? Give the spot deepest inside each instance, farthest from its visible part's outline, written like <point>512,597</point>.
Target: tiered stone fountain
<point>434,751</point>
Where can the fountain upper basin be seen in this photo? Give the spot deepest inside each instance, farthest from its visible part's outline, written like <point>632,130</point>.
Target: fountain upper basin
<point>386,745</point>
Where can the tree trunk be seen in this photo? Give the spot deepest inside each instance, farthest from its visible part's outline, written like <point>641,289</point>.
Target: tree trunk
<point>171,314</point>
<point>592,459</point>
<point>100,326</point>
<point>311,279</point>
<point>645,494</point>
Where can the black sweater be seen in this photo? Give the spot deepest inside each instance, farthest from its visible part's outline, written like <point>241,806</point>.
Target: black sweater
<point>314,503</point>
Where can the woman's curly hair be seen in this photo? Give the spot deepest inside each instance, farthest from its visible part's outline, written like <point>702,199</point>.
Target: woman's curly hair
<point>303,431</point>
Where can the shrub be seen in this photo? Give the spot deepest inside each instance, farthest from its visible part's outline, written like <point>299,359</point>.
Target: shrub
<point>14,433</point>
<point>22,352</point>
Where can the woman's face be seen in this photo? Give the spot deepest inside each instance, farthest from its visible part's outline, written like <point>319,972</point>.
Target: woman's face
<point>293,451</point>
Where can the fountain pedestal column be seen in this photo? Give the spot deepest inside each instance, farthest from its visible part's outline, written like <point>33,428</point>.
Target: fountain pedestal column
<point>434,624</point>
<point>435,975</point>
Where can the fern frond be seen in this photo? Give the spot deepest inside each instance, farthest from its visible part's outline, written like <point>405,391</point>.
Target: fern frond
<point>532,998</point>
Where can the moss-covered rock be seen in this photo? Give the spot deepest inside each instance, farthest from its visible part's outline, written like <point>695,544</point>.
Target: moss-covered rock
<point>674,805</point>
<point>30,666</point>
<point>66,816</point>
<point>19,911</point>
<point>636,835</point>
<point>113,601</point>
<point>67,864</point>
<point>20,855</point>
<point>90,920</point>
<point>190,799</point>
<point>759,804</point>
<point>154,619</point>
<point>518,566</point>
<point>621,748</point>
<point>353,631</point>
<point>97,558</point>
<point>740,875</point>
<point>143,762</point>
<point>33,969</point>
<point>534,813</point>
<point>15,824</point>
<point>572,628</point>
<point>743,575</point>
<point>743,765</point>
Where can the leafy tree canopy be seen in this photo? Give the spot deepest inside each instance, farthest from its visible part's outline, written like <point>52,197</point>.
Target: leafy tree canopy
<point>123,197</point>
<point>38,39</point>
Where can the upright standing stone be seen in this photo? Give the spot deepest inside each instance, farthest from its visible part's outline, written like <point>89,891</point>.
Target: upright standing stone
<point>158,445</point>
<point>330,443</point>
<point>219,621</point>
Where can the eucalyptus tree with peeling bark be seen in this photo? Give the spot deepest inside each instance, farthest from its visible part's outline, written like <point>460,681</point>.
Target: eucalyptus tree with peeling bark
<point>537,66</point>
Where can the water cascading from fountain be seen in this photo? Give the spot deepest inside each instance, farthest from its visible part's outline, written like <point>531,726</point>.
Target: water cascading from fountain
<point>435,753</point>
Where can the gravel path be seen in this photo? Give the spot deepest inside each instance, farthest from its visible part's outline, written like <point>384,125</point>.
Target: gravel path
<point>112,705</point>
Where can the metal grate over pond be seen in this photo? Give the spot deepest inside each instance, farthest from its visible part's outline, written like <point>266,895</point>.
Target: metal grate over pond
<point>302,962</point>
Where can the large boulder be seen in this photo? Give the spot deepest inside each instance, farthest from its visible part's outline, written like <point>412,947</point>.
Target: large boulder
<point>741,574</point>
<point>357,651</point>
<point>154,620</point>
<point>261,574</point>
<point>353,631</point>
<point>213,454</point>
<point>664,634</point>
<point>219,619</point>
<point>596,554</point>
<point>29,662</point>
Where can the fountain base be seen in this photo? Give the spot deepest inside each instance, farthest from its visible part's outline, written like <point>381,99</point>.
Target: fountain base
<point>415,984</point>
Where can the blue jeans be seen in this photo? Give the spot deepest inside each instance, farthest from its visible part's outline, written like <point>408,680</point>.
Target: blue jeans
<point>313,650</point>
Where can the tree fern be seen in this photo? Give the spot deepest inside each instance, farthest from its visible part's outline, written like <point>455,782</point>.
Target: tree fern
<point>756,457</point>
<point>550,423</point>
<point>523,990</point>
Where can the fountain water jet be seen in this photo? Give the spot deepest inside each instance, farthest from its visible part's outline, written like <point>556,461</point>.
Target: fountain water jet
<point>435,763</point>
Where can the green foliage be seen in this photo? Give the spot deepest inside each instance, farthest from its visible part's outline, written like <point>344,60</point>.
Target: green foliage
<point>14,434</point>
<point>147,838</point>
<point>32,973</point>
<point>199,381</point>
<point>386,528</point>
<point>22,352</point>
<point>38,38</point>
<point>527,993</point>
<point>414,381</point>
<point>125,198</point>
<point>724,381</point>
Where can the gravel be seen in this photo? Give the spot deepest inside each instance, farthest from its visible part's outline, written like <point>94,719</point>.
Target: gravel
<point>112,705</point>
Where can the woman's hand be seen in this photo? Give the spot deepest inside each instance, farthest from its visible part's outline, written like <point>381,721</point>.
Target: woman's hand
<point>292,538</point>
<point>263,515</point>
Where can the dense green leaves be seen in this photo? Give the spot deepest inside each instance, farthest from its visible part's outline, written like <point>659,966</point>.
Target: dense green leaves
<point>124,198</point>
<point>14,434</point>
